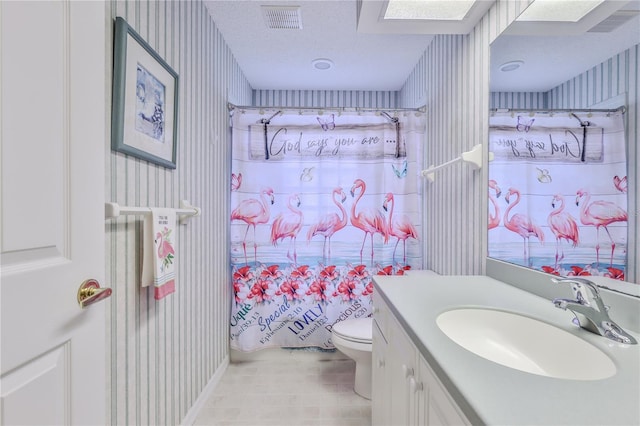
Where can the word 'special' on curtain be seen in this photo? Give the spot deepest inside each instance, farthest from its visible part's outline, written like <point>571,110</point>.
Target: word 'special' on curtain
<point>320,203</point>
<point>558,191</point>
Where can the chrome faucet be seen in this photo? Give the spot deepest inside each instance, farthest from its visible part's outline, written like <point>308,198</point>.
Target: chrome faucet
<point>590,311</point>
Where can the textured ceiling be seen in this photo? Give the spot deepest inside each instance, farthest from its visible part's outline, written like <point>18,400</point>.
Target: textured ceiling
<point>551,60</point>
<point>282,58</point>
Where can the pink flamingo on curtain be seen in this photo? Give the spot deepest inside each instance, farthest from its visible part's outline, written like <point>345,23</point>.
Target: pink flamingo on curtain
<point>599,214</point>
<point>253,212</point>
<point>369,220</point>
<point>288,225</point>
<point>521,224</point>
<point>563,225</point>
<point>401,228</point>
<point>494,219</point>
<point>330,223</point>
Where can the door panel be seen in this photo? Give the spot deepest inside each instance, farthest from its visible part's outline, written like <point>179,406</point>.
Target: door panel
<point>40,384</point>
<point>33,65</point>
<point>52,135</point>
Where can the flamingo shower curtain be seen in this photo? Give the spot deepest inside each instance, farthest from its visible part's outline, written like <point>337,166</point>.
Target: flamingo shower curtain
<point>321,201</point>
<point>558,191</point>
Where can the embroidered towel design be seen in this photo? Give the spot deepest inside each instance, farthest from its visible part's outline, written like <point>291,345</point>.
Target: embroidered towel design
<point>158,266</point>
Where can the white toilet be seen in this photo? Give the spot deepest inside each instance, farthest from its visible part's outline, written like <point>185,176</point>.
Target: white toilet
<point>353,338</point>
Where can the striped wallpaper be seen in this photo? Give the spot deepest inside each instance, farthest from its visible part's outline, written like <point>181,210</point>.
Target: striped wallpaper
<point>163,353</point>
<point>617,77</point>
<point>325,98</point>
<point>452,79</point>
<point>524,100</point>
<point>614,77</point>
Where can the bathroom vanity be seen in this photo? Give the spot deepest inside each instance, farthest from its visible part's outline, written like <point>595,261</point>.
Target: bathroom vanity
<point>406,391</point>
<point>422,376</point>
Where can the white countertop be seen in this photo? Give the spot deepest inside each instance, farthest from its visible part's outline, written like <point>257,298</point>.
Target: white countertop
<point>489,393</point>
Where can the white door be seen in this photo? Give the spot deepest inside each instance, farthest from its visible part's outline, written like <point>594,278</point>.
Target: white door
<point>52,145</point>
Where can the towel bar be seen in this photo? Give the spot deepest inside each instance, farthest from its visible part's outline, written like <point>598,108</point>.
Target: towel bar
<point>114,210</point>
<point>473,157</point>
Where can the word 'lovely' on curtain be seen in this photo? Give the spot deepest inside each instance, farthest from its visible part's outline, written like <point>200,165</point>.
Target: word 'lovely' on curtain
<point>320,203</point>
<point>558,191</point>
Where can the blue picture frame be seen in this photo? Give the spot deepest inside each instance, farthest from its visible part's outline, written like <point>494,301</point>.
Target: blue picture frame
<point>145,100</point>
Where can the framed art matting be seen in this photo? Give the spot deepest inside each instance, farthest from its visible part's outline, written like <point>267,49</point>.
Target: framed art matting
<point>145,100</point>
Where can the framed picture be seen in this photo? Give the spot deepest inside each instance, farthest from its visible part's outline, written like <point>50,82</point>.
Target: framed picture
<point>145,100</point>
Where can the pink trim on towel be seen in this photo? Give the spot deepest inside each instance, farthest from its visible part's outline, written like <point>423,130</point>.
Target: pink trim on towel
<point>165,289</point>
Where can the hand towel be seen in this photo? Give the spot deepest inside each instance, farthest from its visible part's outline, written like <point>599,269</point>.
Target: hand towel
<point>159,255</point>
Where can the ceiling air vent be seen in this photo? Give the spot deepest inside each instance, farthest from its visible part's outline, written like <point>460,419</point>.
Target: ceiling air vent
<point>282,17</point>
<point>614,21</point>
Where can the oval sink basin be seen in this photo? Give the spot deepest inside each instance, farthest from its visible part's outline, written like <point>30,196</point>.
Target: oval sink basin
<point>525,344</point>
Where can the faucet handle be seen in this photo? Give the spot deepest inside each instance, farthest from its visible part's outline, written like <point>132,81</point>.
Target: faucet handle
<point>580,292</point>
<point>578,285</point>
<point>614,332</point>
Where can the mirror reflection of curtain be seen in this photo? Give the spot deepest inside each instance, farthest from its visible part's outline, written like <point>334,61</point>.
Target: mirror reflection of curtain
<point>320,203</point>
<point>558,193</point>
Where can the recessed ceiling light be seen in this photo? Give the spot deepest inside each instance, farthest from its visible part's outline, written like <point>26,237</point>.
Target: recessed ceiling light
<point>441,10</point>
<point>511,66</point>
<point>322,63</point>
<point>558,10</point>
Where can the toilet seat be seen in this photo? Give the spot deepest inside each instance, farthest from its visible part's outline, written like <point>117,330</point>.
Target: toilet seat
<point>358,330</point>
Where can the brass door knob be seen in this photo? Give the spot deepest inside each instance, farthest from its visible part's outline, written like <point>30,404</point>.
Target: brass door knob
<point>90,292</point>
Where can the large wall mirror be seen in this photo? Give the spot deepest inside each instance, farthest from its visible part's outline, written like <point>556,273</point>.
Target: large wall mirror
<point>563,190</point>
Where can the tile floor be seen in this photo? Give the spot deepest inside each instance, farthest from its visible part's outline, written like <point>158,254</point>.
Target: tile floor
<point>287,388</point>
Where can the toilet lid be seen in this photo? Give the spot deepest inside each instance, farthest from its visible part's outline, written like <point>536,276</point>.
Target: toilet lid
<point>356,330</point>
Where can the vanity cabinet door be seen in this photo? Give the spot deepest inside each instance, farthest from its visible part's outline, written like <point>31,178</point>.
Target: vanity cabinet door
<point>381,390</point>
<point>405,390</point>
<point>440,409</point>
<point>402,370</point>
<point>380,398</point>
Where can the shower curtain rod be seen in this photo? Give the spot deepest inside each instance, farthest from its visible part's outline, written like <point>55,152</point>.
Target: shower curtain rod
<point>622,109</point>
<point>231,107</point>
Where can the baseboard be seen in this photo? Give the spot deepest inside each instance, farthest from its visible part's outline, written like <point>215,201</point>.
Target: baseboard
<point>206,393</point>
